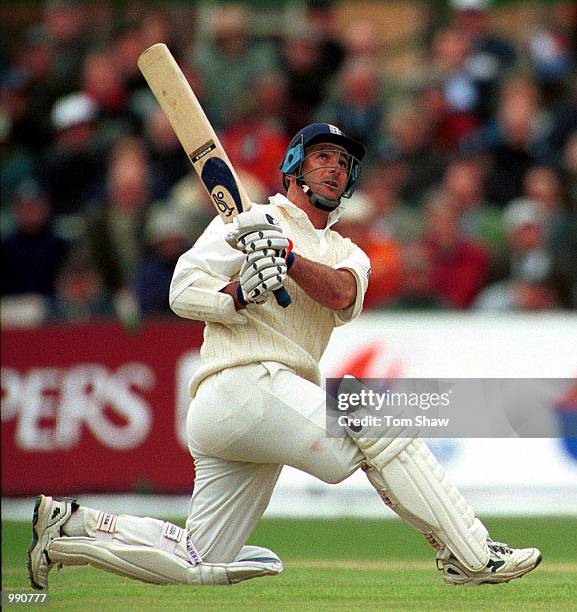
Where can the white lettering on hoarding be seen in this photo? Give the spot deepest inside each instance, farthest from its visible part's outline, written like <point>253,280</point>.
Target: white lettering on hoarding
<point>53,405</point>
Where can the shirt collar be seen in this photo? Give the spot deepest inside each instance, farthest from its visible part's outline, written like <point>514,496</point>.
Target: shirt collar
<point>282,201</point>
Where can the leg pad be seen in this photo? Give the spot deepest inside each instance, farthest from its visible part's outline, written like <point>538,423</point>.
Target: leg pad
<point>155,565</point>
<point>414,484</point>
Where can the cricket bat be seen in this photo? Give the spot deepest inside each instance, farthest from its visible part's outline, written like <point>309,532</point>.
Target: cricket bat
<point>197,137</point>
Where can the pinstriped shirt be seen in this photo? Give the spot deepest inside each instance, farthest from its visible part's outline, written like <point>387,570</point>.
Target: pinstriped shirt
<point>295,336</point>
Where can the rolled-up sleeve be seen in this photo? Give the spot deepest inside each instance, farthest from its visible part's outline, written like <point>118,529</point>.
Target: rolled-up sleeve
<point>359,265</point>
<point>201,273</point>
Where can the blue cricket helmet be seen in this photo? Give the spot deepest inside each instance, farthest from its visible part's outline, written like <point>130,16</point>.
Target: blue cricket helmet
<point>316,133</point>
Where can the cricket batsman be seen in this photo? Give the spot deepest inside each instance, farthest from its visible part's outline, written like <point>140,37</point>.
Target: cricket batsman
<point>257,404</point>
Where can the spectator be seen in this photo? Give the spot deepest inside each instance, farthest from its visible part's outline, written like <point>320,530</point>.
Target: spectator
<point>321,16</point>
<point>307,79</point>
<point>168,165</point>
<point>543,184</point>
<point>358,224</point>
<point>515,140</point>
<point>102,82</point>
<point>166,234</point>
<point>564,128</point>
<point>411,149</point>
<point>66,25</point>
<point>532,288</point>
<point>450,80</point>
<point>552,51</point>
<point>189,200</point>
<point>569,166</point>
<point>27,93</point>
<point>525,223</point>
<point>127,45</point>
<point>155,25</point>
<point>256,140</point>
<point>567,260</point>
<point>72,169</point>
<point>115,226</point>
<point>18,163</point>
<point>229,62</point>
<point>357,108</point>
<point>361,41</point>
<point>490,58</point>
<point>32,253</point>
<point>270,93</point>
<point>80,295</point>
<point>463,188</point>
<point>391,217</point>
<point>447,127</point>
<point>459,264</point>
<point>128,42</point>
<point>417,289</point>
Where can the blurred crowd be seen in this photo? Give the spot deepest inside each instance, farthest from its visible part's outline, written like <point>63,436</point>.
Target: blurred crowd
<point>468,199</point>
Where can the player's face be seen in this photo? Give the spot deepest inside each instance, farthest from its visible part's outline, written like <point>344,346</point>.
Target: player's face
<point>325,170</point>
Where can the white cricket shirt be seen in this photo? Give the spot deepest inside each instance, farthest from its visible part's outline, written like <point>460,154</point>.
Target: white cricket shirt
<point>295,336</point>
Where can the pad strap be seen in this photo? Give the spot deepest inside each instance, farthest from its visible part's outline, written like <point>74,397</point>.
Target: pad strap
<point>105,526</point>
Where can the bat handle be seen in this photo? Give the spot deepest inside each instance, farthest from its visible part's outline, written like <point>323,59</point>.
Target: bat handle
<point>282,297</point>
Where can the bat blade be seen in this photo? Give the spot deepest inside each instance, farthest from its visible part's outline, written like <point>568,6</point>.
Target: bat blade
<point>223,189</point>
<point>194,131</point>
<point>197,136</point>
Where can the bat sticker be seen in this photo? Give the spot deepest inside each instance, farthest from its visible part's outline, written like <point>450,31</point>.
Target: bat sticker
<point>206,148</point>
<point>221,184</point>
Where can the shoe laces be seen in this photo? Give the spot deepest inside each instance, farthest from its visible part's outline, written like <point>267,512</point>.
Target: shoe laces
<point>499,548</point>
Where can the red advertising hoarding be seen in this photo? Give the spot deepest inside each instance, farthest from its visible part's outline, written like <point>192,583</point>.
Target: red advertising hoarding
<point>96,408</point>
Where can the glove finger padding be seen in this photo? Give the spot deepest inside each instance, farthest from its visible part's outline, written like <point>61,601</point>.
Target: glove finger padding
<point>271,281</point>
<point>253,242</point>
<point>255,262</point>
<point>260,274</point>
<point>261,234</point>
<point>255,256</point>
<point>262,290</point>
<point>266,274</point>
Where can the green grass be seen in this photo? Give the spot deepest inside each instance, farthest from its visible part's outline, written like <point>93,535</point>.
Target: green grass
<point>345,564</point>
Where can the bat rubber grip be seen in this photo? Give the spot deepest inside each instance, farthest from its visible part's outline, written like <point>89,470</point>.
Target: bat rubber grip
<point>282,297</point>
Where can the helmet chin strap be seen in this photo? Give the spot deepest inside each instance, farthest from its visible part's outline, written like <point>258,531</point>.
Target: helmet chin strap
<point>319,201</point>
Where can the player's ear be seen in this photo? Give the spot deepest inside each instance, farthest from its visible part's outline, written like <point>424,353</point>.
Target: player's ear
<point>290,186</point>
<point>289,181</point>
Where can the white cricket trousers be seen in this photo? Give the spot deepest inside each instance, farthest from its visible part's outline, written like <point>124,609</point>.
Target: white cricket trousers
<point>244,424</point>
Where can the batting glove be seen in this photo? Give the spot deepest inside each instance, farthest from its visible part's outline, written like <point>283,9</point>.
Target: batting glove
<point>256,230</point>
<point>260,274</point>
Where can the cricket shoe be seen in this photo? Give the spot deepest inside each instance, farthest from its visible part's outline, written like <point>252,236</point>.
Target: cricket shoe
<point>504,564</point>
<point>50,513</point>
